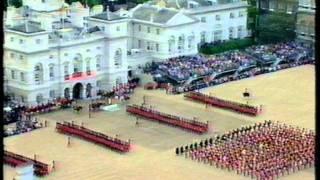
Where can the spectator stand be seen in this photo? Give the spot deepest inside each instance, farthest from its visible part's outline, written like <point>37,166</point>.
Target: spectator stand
<point>183,72</point>
<point>23,125</point>
<point>93,136</point>
<point>12,159</point>
<point>218,102</point>
<point>191,125</point>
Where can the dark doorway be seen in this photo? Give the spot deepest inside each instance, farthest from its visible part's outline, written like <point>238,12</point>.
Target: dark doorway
<point>88,90</point>
<point>67,93</point>
<point>130,73</point>
<point>77,91</point>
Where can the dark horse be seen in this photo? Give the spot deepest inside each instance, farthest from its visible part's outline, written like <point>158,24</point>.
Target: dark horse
<point>96,106</point>
<point>77,108</point>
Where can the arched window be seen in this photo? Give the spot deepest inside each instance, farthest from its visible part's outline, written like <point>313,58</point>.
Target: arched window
<point>231,33</point>
<point>98,62</point>
<point>203,37</point>
<point>88,69</point>
<point>77,64</point>
<point>39,98</point>
<point>51,71</point>
<point>66,70</point>
<point>118,58</point>
<point>98,85</point>
<point>191,41</point>
<point>181,42</point>
<point>77,68</point>
<point>217,35</point>
<point>118,80</point>
<point>52,94</point>
<point>240,29</point>
<point>231,15</point>
<point>171,43</point>
<point>38,73</point>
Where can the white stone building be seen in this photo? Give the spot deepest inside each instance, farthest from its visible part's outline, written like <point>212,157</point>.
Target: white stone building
<point>67,51</point>
<point>305,27</point>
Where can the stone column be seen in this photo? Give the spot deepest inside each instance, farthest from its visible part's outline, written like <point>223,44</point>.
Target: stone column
<point>84,92</point>
<point>71,93</point>
<point>70,69</point>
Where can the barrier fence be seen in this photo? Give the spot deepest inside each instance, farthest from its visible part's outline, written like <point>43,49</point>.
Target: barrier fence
<point>192,125</point>
<point>12,159</point>
<point>225,104</point>
<point>93,136</point>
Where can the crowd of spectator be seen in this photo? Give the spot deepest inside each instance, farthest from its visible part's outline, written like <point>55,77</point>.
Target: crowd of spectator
<point>263,151</point>
<point>182,68</point>
<point>288,51</point>
<point>25,124</point>
<point>119,92</point>
<point>13,113</point>
<point>229,66</point>
<point>19,118</point>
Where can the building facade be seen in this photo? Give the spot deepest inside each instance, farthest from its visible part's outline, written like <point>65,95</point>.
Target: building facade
<point>284,6</point>
<point>56,50</point>
<point>305,28</point>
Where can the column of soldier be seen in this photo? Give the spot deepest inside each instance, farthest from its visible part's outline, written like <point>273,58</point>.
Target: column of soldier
<point>263,151</point>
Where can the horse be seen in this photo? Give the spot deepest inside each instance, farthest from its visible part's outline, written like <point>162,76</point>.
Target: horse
<point>77,108</point>
<point>97,105</point>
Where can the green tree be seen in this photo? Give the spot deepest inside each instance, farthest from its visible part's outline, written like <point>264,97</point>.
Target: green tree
<point>141,1</point>
<point>253,14</point>
<point>227,46</point>
<point>276,27</point>
<point>5,5</point>
<point>15,3</point>
<point>90,3</point>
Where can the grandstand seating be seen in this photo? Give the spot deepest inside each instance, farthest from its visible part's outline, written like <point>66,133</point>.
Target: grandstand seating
<point>214,101</point>
<point>12,159</point>
<point>93,136</point>
<point>192,125</point>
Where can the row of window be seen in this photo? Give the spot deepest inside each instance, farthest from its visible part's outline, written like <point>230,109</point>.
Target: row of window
<point>21,41</point>
<point>14,77</point>
<point>218,17</point>
<point>40,99</point>
<point>148,29</point>
<point>149,45</point>
<point>21,57</point>
<point>217,35</point>
<point>102,28</point>
<point>181,43</point>
<point>87,50</point>
<point>38,72</point>
<point>77,67</point>
<point>13,55</point>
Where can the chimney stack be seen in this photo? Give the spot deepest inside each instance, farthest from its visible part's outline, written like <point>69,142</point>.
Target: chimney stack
<point>107,12</point>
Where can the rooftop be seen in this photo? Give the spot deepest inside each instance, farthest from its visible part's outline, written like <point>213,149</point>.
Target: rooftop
<point>74,35</point>
<point>179,4</point>
<point>26,28</point>
<point>108,16</point>
<point>153,14</point>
